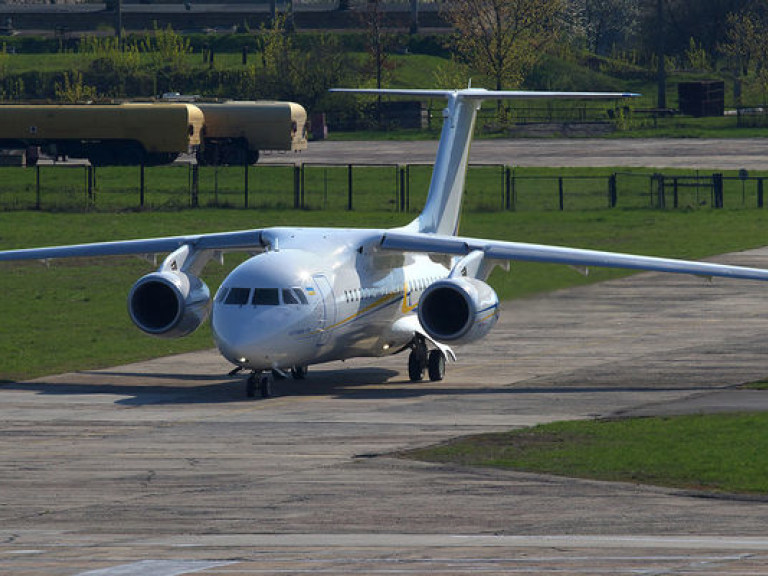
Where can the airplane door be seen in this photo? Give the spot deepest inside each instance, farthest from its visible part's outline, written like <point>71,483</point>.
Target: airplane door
<point>329,305</point>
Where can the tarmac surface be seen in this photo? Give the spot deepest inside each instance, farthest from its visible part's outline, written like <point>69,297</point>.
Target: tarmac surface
<point>705,153</point>
<point>163,468</point>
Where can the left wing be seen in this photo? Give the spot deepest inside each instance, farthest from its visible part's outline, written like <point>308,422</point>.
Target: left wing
<point>498,250</point>
<point>223,241</point>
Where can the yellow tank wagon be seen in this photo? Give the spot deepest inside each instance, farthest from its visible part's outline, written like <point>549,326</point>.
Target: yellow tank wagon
<point>236,131</point>
<point>112,134</point>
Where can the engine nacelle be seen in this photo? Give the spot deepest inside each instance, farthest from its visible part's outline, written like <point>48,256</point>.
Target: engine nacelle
<point>458,310</point>
<point>169,304</point>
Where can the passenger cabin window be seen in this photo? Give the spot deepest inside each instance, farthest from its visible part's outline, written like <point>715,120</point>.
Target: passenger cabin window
<point>238,296</point>
<point>265,297</point>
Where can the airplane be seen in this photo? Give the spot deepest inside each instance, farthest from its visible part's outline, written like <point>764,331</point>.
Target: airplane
<point>307,296</point>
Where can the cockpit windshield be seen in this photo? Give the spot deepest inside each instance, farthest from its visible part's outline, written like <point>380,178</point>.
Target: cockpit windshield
<point>262,296</point>
<point>237,296</point>
<point>265,297</point>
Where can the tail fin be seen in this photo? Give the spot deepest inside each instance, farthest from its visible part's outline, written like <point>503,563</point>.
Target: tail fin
<point>441,212</point>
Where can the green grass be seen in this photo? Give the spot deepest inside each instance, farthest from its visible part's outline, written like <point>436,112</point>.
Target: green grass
<point>72,314</point>
<point>719,453</point>
<point>759,385</point>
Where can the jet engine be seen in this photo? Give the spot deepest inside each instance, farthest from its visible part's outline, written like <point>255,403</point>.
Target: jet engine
<point>169,304</point>
<point>458,310</point>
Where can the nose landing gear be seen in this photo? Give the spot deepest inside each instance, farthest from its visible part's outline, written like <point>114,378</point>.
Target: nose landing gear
<point>262,381</point>
<point>258,381</point>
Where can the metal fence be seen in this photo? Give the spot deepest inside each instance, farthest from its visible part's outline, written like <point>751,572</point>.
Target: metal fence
<point>396,188</point>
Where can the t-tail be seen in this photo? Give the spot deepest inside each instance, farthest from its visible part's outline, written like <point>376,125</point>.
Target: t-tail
<point>442,210</point>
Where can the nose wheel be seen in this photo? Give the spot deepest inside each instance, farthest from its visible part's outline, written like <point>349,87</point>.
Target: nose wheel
<point>258,382</point>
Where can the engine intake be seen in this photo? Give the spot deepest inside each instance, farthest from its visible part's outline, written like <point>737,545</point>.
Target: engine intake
<point>458,310</point>
<point>169,304</point>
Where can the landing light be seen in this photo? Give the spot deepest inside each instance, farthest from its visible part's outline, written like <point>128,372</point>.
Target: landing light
<point>242,360</point>
<point>385,347</point>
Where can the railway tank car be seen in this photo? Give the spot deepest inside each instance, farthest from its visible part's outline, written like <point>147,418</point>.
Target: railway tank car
<point>105,134</point>
<point>152,133</point>
<point>236,131</point>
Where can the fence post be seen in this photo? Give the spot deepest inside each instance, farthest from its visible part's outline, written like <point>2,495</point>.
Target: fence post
<point>503,174</point>
<point>507,188</point>
<point>296,187</point>
<point>349,187</point>
<point>661,201</point>
<point>142,188</point>
<point>303,204</point>
<point>561,192</point>
<point>37,187</point>
<point>89,183</point>
<point>717,190</point>
<point>245,185</point>
<point>612,191</point>
<point>402,188</point>
<point>675,196</point>
<point>759,192</point>
<point>408,188</point>
<point>195,186</point>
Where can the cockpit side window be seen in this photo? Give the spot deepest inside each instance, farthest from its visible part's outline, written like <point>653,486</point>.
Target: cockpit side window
<point>222,294</point>
<point>289,297</point>
<point>265,297</point>
<point>238,296</point>
<point>300,295</point>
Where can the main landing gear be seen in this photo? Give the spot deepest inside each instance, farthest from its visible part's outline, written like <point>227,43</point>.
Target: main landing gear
<point>262,382</point>
<point>421,359</point>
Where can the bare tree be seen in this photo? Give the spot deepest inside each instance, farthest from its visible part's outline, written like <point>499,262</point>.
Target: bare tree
<point>503,39</point>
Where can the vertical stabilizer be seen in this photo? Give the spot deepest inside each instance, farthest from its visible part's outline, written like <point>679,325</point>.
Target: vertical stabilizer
<point>441,212</point>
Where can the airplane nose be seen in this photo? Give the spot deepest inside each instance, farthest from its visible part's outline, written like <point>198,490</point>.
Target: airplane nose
<point>256,344</point>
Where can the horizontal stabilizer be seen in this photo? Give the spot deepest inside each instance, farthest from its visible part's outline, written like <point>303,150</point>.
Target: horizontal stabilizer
<point>483,94</point>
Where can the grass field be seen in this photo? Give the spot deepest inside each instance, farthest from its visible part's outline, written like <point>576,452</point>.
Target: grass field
<point>718,453</point>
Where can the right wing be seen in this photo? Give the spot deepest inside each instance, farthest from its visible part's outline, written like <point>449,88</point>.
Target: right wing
<point>498,250</point>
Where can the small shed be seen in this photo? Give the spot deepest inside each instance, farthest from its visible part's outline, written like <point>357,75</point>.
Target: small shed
<point>705,98</point>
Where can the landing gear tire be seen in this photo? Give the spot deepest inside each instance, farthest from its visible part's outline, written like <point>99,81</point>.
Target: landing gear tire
<point>250,386</point>
<point>260,382</point>
<point>436,365</point>
<point>265,386</point>
<point>417,361</point>
<point>299,372</point>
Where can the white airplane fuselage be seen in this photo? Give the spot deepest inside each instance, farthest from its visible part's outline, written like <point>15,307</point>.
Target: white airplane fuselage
<point>353,299</point>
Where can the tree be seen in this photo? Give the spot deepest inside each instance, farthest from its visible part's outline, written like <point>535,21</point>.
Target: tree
<point>686,19</point>
<point>746,45</point>
<point>377,44</point>
<point>72,89</point>
<point>604,24</point>
<point>503,39</point>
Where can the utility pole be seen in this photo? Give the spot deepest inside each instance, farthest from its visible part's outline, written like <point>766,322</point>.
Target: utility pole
<point>661,102</point>
<point>414,16</point>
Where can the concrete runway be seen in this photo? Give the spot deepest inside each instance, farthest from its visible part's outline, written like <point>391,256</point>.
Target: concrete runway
<point>694,153</point>
<point>163,468</point>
